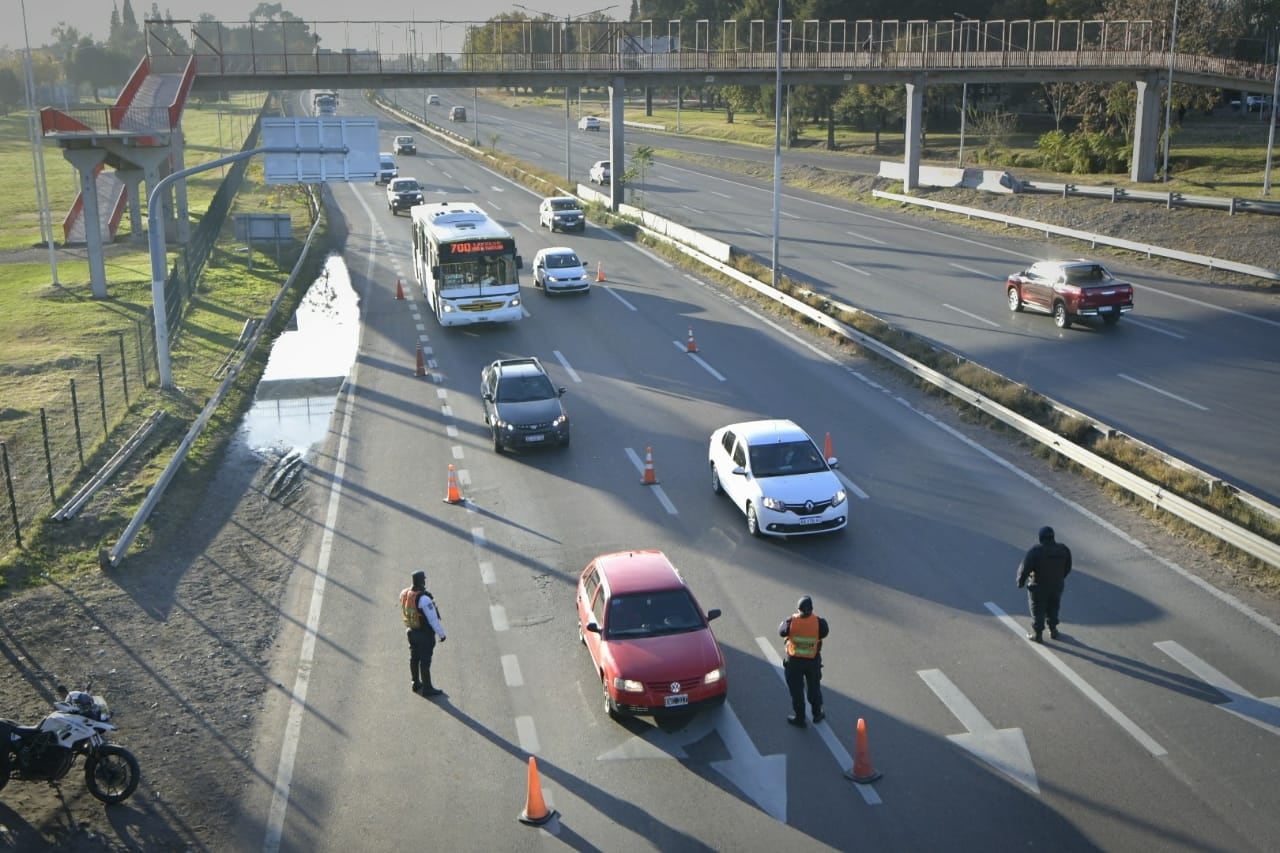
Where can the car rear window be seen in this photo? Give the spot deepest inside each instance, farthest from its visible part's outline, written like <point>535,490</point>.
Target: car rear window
<point>652,614</point>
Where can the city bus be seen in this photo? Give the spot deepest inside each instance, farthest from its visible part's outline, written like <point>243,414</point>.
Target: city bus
<point>466,264</point>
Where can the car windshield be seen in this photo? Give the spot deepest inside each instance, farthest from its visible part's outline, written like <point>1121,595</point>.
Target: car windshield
<point>388,163</point>
<point>404,139</point>
<point>564,204</point>
<point>651,614</point>
<point>524,389</point>
<point>405,186</point>
<point>559,262</point>
<point>785,458</point>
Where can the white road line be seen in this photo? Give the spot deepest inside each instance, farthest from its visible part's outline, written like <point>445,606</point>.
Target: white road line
<point>978,273</point>
<point>487,574</point>
<point>752,231</point>
<point>451,431</point>
<point>511,671</point>
<point>852,268</point>
<point>1151,327</point>
<point>683,347</point>
<point>1168,394</point>
<point>850,485</point>
<point>722,195</point>
<point>788,215</point>
<point>564,362</point>
<point>457,451</point>
<point>843,760</point>
<point>1264,713</point>
<point>498,615</point>
<point>477,537</point>
<point>656,489</point>
<point>447,175</point>
<point>1148,743</point>
<point>971,316</point>
<point>496,189</point>
<point>442,394</point>
<point>446,410</point>
<point>527,734</point>
<point>617,296</point>
<point>867,238</point>
<point>527,228</point>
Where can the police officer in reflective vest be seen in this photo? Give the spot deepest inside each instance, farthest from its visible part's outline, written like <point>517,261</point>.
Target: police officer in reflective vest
<point>422,626</point>
<point>1043,571</point>
<point>803,666</point>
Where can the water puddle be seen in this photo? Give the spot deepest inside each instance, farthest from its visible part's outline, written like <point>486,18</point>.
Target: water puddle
<point>309,362</point>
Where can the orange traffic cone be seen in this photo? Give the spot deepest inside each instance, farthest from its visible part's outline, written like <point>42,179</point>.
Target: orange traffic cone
<point>599,271</point>
<point>826,448</point>
<point>649,478</point>
<point>454,495</point>
<point>399,290</point>
<point>535,811</point>
<point>422,365</point>
<point>862,772</point>
<point>692,345</point>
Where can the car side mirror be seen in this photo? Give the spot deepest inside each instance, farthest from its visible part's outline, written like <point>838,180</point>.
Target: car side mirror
<point>435,272</point>
<point>739,470</point>
<point>519,262</point>
<point>593,628</point>
<point>713,613</point>
<point>561,390</point>
<point>833,462</point>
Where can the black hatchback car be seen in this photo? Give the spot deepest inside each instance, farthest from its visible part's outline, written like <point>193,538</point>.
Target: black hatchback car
<point>522,406</point>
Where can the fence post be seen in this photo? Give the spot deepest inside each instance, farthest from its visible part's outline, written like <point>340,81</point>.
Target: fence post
<point>48,457</point>
<point>13,503</point>
<point>102,397</point>
<point>124,374</point>
<point>142,355</point>
<point>75,416</point>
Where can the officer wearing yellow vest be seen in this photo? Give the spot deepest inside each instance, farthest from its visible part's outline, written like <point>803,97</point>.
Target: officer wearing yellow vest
<point>422,626</point>
<point>803,667</point>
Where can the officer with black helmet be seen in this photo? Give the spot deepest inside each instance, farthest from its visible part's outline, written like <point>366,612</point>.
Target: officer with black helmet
<point>1043,572</point>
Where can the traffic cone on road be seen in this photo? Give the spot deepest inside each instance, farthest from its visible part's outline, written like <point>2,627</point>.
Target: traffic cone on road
<point>826,448</point>
<point>862,772</point>
<point>535,811</point>
<point>599,271</point>
<point>422,365</point>
<point>692,345</point>
<point>399,290</point>
<point>454,495</point>
<point>649,478</point>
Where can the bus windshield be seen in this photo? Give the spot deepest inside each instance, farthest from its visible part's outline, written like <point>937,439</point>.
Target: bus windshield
<point>483,271</point>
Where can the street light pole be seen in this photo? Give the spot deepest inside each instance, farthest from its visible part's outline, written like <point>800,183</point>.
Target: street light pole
<point>964,91</point>
<point>777,150</point>
<point>1271,132</point>
<point>1168,98</point>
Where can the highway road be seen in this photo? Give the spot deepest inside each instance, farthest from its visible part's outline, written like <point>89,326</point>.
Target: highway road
<point>1151,725</point>
<point>1193,370</point>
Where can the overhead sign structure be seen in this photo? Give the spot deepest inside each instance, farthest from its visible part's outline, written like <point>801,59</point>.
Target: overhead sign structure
<point>290,148</point>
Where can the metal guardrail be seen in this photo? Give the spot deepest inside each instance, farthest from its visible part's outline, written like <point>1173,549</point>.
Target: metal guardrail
<point>1169,199</point>
<point>1148,249</point>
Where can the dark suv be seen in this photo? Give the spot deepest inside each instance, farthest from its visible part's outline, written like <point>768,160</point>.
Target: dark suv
<point>521,405</point>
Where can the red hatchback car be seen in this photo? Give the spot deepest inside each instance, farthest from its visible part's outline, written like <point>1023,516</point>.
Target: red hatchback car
<point>650,641</point>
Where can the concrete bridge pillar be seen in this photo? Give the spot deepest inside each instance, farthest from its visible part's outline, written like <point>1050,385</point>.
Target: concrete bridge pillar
<point>617,153</point>
<point>133,189</point>
<point>915,115</point>
<point>86,160</point>
<point>177,142</point>
<point>145,169</point>
<point>1146,129</point>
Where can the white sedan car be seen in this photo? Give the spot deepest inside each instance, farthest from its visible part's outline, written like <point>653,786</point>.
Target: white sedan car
<point>588,123</point>
<point>600,173</point>
<point>776,475</point>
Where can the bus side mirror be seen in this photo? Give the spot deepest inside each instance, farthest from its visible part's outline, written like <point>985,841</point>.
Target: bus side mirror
<point>519,262</point>
<point>435,273</point>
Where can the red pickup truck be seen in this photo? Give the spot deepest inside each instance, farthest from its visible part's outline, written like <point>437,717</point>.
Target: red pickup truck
<point>1070,290</point>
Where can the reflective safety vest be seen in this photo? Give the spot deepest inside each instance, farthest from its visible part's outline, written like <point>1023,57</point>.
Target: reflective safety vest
<point>802,638</point>
<point>409,610</point>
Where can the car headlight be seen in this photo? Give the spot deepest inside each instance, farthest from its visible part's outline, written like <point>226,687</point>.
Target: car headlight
<point>713,676</point>
<point>560,421</point>
<point>514,302</point>
<point>774,504</point>
<point>626,685</point>
<point>839,498</point>
<point>448,309</point>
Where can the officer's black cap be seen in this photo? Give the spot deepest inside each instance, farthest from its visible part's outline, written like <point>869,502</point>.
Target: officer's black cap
<point>419,578</point>
<point>1046,534</point>
<point>805,604</point>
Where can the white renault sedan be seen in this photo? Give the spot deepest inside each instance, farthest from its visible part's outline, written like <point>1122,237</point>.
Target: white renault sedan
<point>776,475</point>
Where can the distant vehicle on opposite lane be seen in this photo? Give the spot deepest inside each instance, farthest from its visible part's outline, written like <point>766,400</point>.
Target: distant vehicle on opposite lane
<point>433,100</point>
<point>1070,290</point>
<point>588,123</point>
<point>457,114</point>
<point>601,173</point>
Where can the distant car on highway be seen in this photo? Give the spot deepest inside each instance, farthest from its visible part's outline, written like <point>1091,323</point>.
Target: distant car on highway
<point>561,213</point>
<point>433,100</point>
<point>1257,103</point>
<point>588,123</point>
<point>402,194</point>
<point>600,173</point>
<point>387,168</point>
<point>560,270</point>
<point>406,145</point>
<point>1070,290</point>
<point>650,642</point>
<point>522,407</point>
<point>457,114</point>
<point>777,477</point>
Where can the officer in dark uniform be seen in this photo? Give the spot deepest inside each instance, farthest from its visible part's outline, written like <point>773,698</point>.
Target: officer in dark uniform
<point>803,666</point>
<point>1043,572</point>
<point>422,626</point>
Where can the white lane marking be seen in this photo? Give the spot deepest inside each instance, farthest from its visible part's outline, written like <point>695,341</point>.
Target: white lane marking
<point>656,489</point>
<point>511,671</point>
<point>564,362</point>
<point>457,451</point>
<point>978,273</point>
<point>1264,713</point>
<point>1168,394</point>
<point>477,537</point>
<point>1119,717</point>
<point>446,410</point>
<point>498,615</point>
<point>617,296</point>
<point>722,195</point>
<point>496,189</point>
<point>442,394</point>
<point>867,237</point>
<point>788,215</point>
<point>683,347</point>
<point>487,574</point>
<point>527,734</point>
<point>1199,304</point>
<point>972,316</point>
<point>691,209</point>
<point>527,228</point>
<point>843,760</point>
<point>1152,327</point>
<point>852,268</point>
<point>451,431</point>
<point>447,175</point>
<point>849,484</point>
<point>752,231</point>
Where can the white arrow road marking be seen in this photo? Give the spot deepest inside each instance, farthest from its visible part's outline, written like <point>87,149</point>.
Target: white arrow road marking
<point>1263,713</point>
<point>657,490</point>
<point>656,743</point>
<point>1004,749</point>
<point>763,778</point>
<point>1148,743</point>
<point>843,760</point>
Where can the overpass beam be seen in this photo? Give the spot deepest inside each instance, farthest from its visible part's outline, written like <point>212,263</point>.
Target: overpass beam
<point>86,160</point>
<point>617,153</point>
<point>911,146</point>
<point>1146,129</point>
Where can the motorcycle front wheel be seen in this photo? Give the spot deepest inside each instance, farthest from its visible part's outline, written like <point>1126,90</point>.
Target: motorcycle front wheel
<point>112,774</point>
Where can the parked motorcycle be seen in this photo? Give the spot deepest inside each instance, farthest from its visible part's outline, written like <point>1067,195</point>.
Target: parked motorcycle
<point>78,726</point>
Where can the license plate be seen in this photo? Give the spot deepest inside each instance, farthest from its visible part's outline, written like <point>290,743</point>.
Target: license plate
<point>812,519</point>
<point>677,700</point>
<point>534,437</point>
